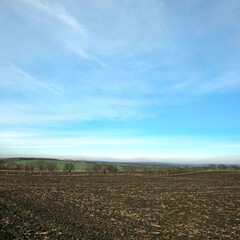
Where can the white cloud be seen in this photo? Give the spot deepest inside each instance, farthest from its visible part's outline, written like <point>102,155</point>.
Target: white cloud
<point>14,134</point>
<point>116,145</point>
<point>76,36</point>
<point>78,61</point>
<point>230,80</point>
<point>16,79</point>
<point>58,12</point>
<point>104,30</point>
<point>200,83</point>
<point>68,108</point>
<point>108,137</point>
<point>124,27</point>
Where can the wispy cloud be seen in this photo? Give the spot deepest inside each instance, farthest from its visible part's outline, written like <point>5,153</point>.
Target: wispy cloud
<point>199,84</point>
<point>58,12</point>
<point>15,78</point>
<point>74,40</point>
<point>50,112</point>
<point>230,80</point>
<point>162,66</point>
<point>109,145</point>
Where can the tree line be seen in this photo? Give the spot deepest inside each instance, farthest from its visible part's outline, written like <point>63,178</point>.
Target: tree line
<point>40,166</point>
<point>43,166</point>
<point>52,166</point>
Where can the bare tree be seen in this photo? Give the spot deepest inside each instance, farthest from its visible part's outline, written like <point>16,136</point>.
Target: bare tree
<point>111,168</point>
<point>51,167</point>
<point>97,168</point>
<point>41,165</point>
<point>68,167</point>
<point>29,167</point>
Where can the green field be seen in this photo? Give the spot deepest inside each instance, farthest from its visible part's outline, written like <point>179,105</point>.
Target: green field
<point>51,165</point>
<point>78,165</point>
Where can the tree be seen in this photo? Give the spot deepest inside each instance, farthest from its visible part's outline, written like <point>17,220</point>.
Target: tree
<point>19,167</point>
<point>97,167</point>
<point>29,167</point>
<point>111,168</point>
<point>235,167</point>
<point>213,166</point>
<point>222,167</point>
<point>41,165</point>
<point>129,168</point>
<point>68,167</point>
<point>51,167</point>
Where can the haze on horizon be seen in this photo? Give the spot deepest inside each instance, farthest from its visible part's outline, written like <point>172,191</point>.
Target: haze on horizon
<point>154,80</point>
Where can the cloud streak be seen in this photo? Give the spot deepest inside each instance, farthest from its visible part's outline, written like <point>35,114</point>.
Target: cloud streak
<point>59,13</point>
<point>162,67</point>
<point>14,78</point>
<point>109,145</point>
<point>78,34</point>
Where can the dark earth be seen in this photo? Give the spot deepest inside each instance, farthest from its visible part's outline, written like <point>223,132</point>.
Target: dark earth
<point>190,206</point>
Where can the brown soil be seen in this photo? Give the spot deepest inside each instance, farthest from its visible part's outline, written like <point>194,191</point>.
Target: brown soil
<point>193,206</point>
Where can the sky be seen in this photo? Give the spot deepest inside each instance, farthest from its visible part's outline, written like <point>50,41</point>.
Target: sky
<point>129,80</point>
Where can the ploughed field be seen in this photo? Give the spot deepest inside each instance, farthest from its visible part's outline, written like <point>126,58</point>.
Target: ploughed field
<point>190,206</point>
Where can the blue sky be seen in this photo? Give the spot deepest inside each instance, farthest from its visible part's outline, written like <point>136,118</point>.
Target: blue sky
<point>121,80</point>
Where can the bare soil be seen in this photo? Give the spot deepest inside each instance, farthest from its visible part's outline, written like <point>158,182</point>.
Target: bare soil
<point>190,206</point>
